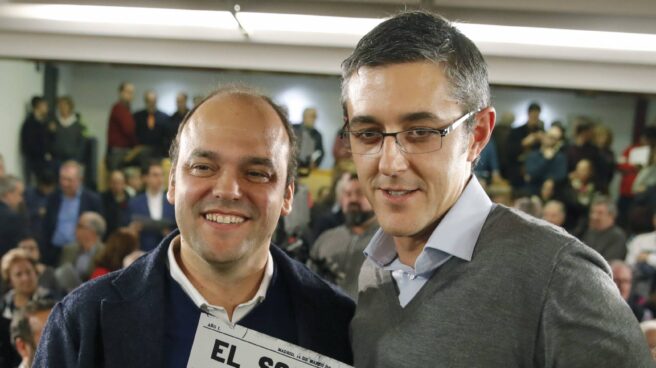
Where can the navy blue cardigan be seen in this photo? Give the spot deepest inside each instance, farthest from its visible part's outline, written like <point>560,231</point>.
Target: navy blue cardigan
<point>119,320</point>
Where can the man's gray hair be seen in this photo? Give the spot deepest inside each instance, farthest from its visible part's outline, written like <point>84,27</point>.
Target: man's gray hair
<point>417,36</point>
<point>8,184</point>
<point>95,222</point>
<point>606,201</point>
<point>73,163</point>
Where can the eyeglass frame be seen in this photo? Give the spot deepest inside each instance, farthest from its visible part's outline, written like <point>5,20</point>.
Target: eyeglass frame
<point>443,132</point>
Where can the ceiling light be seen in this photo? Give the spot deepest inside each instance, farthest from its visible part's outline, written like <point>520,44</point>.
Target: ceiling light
<point>125,15</point>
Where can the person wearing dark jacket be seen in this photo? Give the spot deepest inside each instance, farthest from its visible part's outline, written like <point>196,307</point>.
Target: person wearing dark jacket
<point>64,207</point>
<point>229,189</point>
<point>152,127</point>
<point>13,224</point>
<point>36,138</point>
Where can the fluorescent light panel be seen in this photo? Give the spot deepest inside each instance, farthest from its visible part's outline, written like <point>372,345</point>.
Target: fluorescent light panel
<point>255,23</point>
<point>126,15</point>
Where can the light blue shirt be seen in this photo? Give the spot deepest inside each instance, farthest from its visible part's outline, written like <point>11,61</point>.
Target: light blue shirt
<point>67,220</point>
<point>454,236</point>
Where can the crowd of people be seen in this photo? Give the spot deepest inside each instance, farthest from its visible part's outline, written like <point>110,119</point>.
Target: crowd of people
<point>57,233</point>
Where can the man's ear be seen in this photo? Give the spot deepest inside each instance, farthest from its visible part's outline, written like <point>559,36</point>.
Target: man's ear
<point>288,200</point>
<point>481,132</point>
<point>23,348</point>
<point>170,194</point>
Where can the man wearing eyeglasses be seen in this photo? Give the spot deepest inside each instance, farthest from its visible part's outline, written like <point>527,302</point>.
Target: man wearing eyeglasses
<point>452,279</point>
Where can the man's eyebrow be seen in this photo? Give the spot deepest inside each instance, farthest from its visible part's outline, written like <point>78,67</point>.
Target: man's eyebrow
<point>201,153</point>
<point>419,116</point>
<point>257,161</point>
<point>363,119</point>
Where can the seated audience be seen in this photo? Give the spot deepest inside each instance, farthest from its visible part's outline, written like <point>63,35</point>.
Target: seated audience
<point>583,148</point>
<point>151,210</point>
<point>134,182</point>
<point>603,139</point>
<point>63,210</point>
<point>531,206</point>
<point>337,254</point>
<point>116,203</point>
<point>81,254</point>
<point>545,163</point>
<point>554,213</point>
<point>47,276</point>
<point>13,224</point>
<point>20,274</point>
<point>120,244</point>
<point>602,234</point>
<point>623,277</point>
<point>582,182</point>
<point>26,327</point>
<point>36,201</point>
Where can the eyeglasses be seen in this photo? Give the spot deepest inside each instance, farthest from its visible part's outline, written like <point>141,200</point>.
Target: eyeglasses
<point>416,140</point>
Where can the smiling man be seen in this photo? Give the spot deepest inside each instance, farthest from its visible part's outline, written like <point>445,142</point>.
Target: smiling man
<point>452,279</point>
<point>231,180</point>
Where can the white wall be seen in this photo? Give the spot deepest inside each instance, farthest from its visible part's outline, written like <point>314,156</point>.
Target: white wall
<point>94,88</point>
<point>19,81</point>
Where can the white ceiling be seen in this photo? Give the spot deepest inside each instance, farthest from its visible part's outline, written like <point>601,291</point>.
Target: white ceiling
<point>195,47</point>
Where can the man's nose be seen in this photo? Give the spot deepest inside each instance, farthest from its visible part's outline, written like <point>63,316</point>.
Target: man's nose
<point>227,186</point>
<point>392,159</point>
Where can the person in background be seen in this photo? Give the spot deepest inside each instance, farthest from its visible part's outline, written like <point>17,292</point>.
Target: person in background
<point>310,141</point>
<point>36,138</point>
<point>554,213</point>
<point>119,245</point>
<point>522,140</point>
<point>36,202</point>
<point>154,215</point>
<point>91,228</point>
<point>47,275</point>
<point>623,278</point>
<point>182,108</point>
<point>152,127</point>
<point>26,328</point>
<point>63,210</point>
<point>338,253</point>
<point>545,163</point>
<point>13,223</point>
<point>69,136</point>
<point>602,234</point>
<point>133,180</point>
<point>116,203</point>
<point>583,147</point>
<point>634,157</point>
<point>121,137</point>
<point>603,139</point>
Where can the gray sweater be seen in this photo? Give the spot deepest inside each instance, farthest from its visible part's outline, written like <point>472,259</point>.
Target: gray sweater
<point>532,296</point>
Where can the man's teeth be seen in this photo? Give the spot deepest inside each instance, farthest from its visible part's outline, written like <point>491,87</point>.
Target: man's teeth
<point>224,219</point>
<point>398,192</point>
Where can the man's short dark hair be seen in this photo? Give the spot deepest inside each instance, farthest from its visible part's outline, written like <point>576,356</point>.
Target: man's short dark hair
<point>145,169</point>
<point>36,100</point>
<point>417,36</point>
<point>238,90</point>
<point>20,321</point>
<point>534,106</point>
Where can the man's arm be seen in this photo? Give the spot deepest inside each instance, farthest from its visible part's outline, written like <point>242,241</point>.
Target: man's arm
<point>585,322</point>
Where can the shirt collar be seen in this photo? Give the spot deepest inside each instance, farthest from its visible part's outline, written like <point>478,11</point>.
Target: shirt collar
<point>455,235</point>
<point>192,292</point>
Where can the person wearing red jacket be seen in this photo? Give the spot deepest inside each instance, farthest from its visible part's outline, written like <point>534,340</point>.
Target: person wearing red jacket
<point>121,135</point>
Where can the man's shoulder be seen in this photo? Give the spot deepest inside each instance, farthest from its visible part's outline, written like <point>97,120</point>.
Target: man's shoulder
<point>518,229</point>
